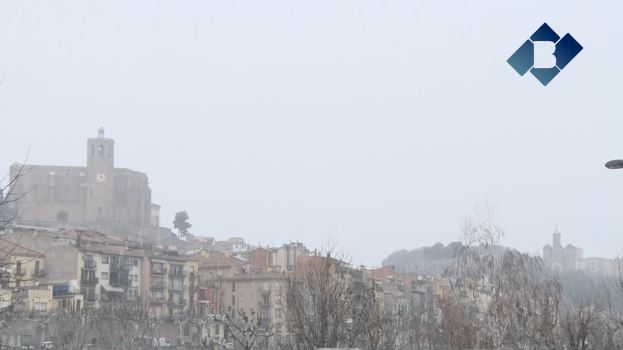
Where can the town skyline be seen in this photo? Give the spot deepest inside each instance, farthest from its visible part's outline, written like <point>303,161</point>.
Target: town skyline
<point>168,222</point>
<point>364,129</point>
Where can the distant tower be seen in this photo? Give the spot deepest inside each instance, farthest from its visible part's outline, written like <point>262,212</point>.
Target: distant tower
<point>100,172</point>
<point>556,236</point>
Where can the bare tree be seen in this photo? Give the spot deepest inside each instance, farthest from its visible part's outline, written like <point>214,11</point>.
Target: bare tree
<point>577,320</point>
<point>71,330</point>
<point>9,196</point>
<point>373,327</point>
<point>249,329</point>
<point>320,303</point>
<point>516,303</point>
<point>122,326</point>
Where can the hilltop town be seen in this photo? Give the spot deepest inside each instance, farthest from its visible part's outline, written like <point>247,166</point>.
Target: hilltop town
<point>88,241</point>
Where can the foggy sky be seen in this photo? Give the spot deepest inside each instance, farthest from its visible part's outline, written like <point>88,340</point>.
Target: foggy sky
<point>375,125</point>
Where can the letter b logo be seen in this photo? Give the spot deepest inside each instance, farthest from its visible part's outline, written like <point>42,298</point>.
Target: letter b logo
<point>545,54</point>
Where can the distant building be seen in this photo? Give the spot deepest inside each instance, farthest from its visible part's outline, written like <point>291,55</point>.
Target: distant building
<point>561,258</point>
<point>288,254</point>
<point>601,266</point>
<point>173,282</point>
<point>21,271</point>
<point>261,293</point>
<point>234,245</point>
<point>96,196</point>
<point>262,259</point>
<point>91,270</point>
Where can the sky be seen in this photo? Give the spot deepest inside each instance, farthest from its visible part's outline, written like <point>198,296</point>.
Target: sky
<point>373,126</point>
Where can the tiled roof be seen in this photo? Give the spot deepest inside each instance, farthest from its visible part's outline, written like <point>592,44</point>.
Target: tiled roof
<point>13,249</point>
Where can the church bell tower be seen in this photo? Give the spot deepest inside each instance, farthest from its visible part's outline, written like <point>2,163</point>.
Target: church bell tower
<point>100,173</point>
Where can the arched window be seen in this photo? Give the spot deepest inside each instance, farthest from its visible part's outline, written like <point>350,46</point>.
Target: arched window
<point>62,216</point>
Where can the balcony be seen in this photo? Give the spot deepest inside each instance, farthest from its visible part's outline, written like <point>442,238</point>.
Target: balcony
<point>158,271</point>
<point>89,281</point>
<point>177,302</point>
<point>178,274</point>
<point>89,264</point>
<point>119,266</point>
<point>157,286</point>
<point>156,300</point>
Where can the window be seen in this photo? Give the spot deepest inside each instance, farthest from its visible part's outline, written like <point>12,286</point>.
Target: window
<point>177,285</point>
<point>41,306</point>
<point>105,275</point>
<point>265,299</point>
<point>135,262</point>
<point>105,260</point>
<point>233,286</point>
<point>132,294</point>
<point>37,268</point>
<point>24,341</point>
<point>62,216</point>
<point>18,268</point>
<point>233,300</point>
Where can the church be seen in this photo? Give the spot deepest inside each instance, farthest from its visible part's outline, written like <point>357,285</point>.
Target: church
<point>97,196</point>
<point>559,258</point>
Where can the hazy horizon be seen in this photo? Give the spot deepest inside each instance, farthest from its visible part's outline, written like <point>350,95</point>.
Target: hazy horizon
<point>373,126</point>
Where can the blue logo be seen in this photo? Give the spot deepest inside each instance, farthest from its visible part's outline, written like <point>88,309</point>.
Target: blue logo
<point>545,54</point>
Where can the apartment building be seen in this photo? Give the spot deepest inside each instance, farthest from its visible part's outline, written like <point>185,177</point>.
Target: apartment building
<point>263,294</point>
<point>84,268</point>
<point>171,282</point>
<point>21,271</point>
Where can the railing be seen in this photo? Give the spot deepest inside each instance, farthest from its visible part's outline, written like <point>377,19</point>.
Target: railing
<point>158,271</point>
<point>157,286</point>
<point>118,266</point>
<point>89,263</point>
<point>179,302</point>
<point>90,281</point>
<point>156,300</point>
<point>178,273</point>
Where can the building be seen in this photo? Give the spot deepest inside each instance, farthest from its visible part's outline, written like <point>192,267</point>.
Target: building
<point>21,272</point>
<point>171,284</point>
<point>259,293</point>
<point>97,196</point>
<point>262,259</point>
<point>601,266</point>
<point>86,268</point>
<point>217,265</point>
<point>288,254</point>
<point>561,258</point>
<point>234,245</point>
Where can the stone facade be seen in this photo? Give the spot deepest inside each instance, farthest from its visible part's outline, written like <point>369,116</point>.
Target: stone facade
<point>98,196</point>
